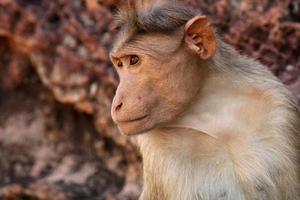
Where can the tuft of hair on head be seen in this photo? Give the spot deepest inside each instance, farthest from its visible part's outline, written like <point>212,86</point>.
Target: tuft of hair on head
<point>159,17</point>
<point>127,16</point>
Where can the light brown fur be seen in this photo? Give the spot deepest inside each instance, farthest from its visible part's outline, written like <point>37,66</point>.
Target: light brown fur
<point>246,155</point>
<point>212,124</point>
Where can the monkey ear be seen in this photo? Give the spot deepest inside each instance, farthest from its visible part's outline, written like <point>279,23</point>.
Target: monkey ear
<point>200,37</point>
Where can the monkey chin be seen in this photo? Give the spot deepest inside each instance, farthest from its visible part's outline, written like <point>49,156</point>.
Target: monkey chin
<point>136,127</point>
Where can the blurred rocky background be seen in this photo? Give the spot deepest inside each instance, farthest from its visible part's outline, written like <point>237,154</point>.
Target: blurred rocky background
<point>57,140</point>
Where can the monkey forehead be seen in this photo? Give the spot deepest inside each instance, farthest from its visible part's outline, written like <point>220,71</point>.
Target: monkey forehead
<point>119,45</point>
<point>152,44</point>
<point>152,30</point>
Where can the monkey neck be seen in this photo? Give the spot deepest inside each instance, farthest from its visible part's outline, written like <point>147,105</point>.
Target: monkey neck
<point>223,108</point>
<point>220,106</point>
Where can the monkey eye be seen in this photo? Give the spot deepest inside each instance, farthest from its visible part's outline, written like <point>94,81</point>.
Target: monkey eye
<point>119,63</point>
<point>134,59</point>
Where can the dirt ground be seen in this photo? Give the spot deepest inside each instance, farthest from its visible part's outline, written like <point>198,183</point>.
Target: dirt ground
<point>57,140</point>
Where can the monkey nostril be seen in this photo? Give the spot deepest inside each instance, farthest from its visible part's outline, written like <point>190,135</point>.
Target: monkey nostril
<point>118,107</point>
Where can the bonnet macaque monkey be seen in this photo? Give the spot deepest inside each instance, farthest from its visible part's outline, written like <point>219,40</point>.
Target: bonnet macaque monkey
<point>211,124</point>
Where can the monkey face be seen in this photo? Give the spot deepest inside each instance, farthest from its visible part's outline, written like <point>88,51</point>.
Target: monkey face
<point>160,74</point>
<point>152,91</point>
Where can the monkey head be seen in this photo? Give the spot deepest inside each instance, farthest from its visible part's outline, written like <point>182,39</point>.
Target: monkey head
<point>158,58</point>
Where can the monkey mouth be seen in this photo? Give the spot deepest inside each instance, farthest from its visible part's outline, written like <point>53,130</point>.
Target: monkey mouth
<point>132,119</point>
<point>134,126</point>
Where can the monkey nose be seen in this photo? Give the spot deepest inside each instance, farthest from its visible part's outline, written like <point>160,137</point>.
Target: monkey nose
<point>119,106</point>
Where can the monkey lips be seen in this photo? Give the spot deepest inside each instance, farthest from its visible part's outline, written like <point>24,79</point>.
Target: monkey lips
<point>129,126</point>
